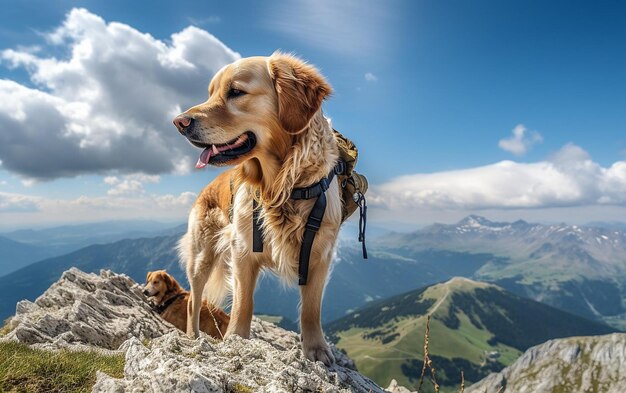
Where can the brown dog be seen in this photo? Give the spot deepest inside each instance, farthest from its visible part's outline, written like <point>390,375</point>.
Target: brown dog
<point>171,300</point>
<point>263,116</point>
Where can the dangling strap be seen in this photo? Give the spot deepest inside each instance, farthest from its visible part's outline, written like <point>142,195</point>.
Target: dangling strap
<point>257,232</point>
<point>359,199</point>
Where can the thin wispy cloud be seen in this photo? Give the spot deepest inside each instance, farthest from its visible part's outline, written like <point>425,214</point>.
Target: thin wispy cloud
<point>569,178</point>
<point>521,141</point>
<point>343,27</point>
<point>108,107</point>
<point>209,20</point>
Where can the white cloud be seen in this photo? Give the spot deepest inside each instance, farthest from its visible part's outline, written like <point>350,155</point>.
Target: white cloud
<point>109,105</point>
<point>521,140</point>
<point>130,184</point>
<point>370,77</point>
<point>15,203</point>
<point>568,178</point>
<point>35,210</point>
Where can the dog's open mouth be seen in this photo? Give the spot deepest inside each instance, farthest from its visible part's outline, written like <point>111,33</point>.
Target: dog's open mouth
<point>220,154</point>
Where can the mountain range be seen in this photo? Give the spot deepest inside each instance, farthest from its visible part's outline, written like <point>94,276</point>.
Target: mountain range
<point>580,269</point>
<point>475,327</point>
<point>353,283</point>
<point>22,247</point>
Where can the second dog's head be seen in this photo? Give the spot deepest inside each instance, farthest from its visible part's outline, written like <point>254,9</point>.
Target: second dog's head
<point>160,285</point>
<point>255,106</point>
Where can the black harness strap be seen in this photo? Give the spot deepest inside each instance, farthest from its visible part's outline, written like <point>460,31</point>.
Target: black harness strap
<point>313,223</point>
<point>160,309</point>
<point>257,232</point>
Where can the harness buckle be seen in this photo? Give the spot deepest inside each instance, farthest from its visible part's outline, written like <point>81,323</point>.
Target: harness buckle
<point>340,168</point>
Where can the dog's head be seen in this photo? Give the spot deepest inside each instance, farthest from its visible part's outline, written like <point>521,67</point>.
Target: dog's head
<point>255,106</point>
<point>159,283</point>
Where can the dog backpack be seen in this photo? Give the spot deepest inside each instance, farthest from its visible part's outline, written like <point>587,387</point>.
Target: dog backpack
<point>353,185</point>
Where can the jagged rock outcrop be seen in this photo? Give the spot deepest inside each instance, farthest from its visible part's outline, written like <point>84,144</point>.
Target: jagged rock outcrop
<point>87,310</point>
<point>109,313</point>
<point>575,364</point>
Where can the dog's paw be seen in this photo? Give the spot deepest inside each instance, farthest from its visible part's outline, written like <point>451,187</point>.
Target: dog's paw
<point>319,352</point>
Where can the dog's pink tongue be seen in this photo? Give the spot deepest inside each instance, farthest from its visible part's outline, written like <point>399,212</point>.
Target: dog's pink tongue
<point>205,156</point>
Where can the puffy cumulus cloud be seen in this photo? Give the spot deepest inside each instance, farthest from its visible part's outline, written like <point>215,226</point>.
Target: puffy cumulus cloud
<point>521,140</point>
<point>129,184</point>
<point>569,178</point>
<point>371,77</point>
<point>36,210</point>
<point>109,105</point>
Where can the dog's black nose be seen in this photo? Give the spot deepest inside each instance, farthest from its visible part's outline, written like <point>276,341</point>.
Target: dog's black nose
<point>145,292</point>
<point>183,122</point>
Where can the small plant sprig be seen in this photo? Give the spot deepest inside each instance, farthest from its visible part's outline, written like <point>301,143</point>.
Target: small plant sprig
<point>427,362</point>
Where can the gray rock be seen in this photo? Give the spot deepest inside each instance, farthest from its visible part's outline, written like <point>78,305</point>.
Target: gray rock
<point>87,310</point>
<point>575,364</point>
<point>175,363</point>
<point>109,313</point>
<point>395,388</point>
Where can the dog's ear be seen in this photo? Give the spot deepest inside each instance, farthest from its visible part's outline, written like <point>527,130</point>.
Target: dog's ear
<point>300,88</point>
<point>148,277</point>
<point>167,279</point>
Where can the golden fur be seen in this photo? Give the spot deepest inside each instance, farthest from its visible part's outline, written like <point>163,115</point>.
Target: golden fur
<point>162,287</point>
<point>295,148</point>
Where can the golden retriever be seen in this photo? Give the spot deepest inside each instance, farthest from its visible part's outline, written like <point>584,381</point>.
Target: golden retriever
<point>171,300</point>
<point>263,116</point>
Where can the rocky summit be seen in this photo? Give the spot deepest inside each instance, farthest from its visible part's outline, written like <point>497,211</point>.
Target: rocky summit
<point>575,364</point>
<point>109,313</point>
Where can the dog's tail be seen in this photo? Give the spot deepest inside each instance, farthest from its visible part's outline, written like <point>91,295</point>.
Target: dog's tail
<point>218,288</point>
<point>218,285</point>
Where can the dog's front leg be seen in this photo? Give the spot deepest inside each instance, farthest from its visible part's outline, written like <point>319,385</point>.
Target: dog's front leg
<point>245,273</point>
<point>313,343</point>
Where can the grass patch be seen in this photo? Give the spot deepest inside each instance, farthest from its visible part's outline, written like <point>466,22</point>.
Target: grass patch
<point>24,369</point>
<point>6,328</point>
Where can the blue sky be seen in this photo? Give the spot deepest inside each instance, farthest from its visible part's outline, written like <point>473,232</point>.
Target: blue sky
<point>508,109</point>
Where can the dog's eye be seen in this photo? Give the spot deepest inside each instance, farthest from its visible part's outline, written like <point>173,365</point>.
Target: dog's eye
<point>234,93</point>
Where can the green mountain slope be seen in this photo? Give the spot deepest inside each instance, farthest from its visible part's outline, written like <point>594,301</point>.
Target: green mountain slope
<point>475,327</point>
